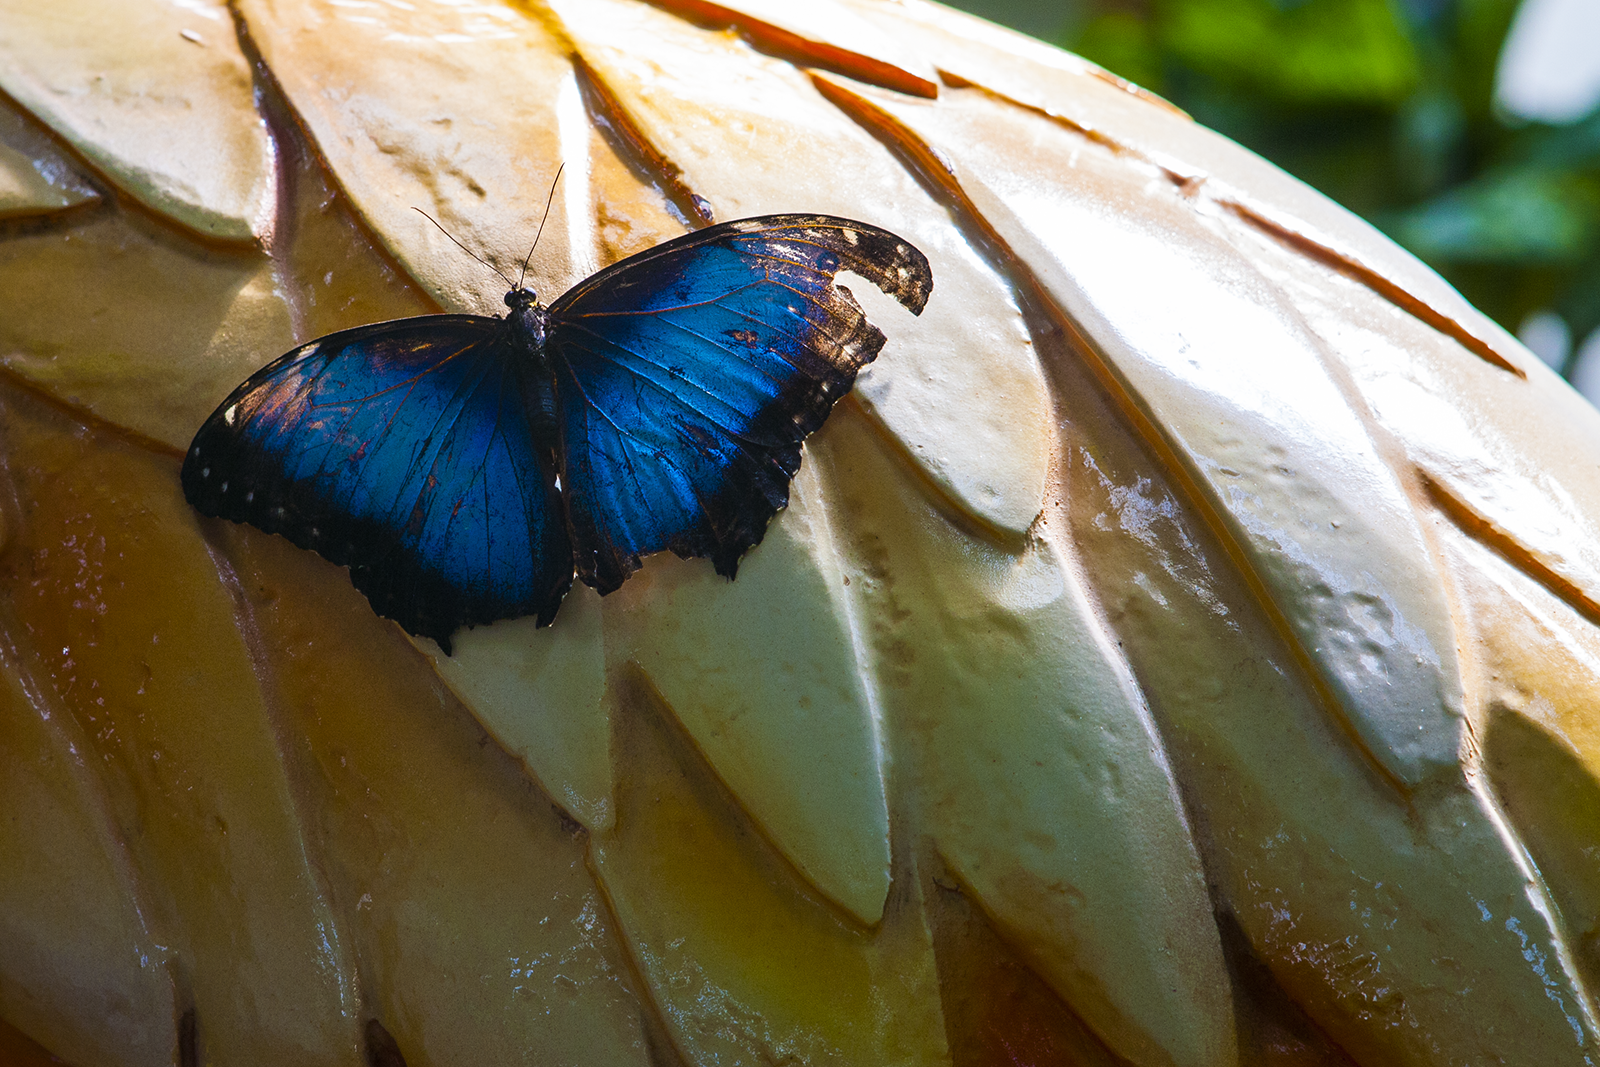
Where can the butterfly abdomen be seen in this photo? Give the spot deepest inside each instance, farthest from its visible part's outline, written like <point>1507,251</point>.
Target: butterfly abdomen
<point>541,394</point>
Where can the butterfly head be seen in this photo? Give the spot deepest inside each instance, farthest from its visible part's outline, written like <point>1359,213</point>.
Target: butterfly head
<point>521,297</point>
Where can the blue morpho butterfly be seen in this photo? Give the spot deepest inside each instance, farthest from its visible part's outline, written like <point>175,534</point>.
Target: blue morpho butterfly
<point>464,466</point>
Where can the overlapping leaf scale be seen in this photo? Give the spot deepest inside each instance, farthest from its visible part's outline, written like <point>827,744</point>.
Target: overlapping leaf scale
<point>1028,759</point>
<point>1410,935</point>
<point>158,97</point>
<point>541,694</point>
<point>1537,663</point>
<point>1248,447</point>
<point>475,928</point>
<point>1228,386</point>
<point>121,608</point>
<point>152,332</point>
<point>83,973</point>
<point>462,111</point>
<point>36,177</point>
<point>766,674</point>
<point>1485,443</point>
<point>747,964</point>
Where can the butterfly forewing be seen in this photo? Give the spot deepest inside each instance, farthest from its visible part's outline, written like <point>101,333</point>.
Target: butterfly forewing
<point>689,374</point>
<point>402,449</point>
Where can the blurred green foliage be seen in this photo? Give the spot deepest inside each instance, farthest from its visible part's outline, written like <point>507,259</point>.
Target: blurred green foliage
<point>1386,106</point>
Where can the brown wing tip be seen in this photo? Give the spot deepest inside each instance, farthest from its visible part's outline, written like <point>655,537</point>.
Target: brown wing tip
<point>888,260</point>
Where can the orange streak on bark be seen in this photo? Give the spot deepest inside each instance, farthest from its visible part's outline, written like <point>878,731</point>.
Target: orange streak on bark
<point>809,52</point>
<point>1519,555</point>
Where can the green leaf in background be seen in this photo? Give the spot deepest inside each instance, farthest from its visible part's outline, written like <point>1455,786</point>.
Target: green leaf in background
<point>1524,216</point>
<point>1315,52</point>
<point>1124,42</point>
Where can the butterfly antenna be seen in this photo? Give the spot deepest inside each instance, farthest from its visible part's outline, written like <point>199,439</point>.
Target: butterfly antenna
<point>468,251</point>
<point>548,200</point>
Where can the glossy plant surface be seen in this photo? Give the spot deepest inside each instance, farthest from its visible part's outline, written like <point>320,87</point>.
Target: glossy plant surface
<point>1179,650</point>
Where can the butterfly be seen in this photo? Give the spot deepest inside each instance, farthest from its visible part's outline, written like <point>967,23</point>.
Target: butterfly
<point>464,467</point>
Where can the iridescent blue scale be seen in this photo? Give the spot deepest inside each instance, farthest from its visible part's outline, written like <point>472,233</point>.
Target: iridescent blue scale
<point>465,466</point>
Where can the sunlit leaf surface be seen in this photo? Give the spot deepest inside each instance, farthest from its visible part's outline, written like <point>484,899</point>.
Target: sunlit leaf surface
<point>1179,650</point>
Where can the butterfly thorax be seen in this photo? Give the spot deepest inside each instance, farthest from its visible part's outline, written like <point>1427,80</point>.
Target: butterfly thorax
<point>528,320</point>
<point>527,323</point>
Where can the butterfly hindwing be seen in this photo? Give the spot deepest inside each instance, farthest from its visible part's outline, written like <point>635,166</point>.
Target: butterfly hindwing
<point>688,376</point>
<point>403,449</point>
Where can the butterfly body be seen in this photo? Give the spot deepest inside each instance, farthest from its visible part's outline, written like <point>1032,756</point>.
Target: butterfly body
<point>464,467</point>
<point>526,327</point>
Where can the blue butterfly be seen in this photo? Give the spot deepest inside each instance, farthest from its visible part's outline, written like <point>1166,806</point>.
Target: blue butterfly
<point>464,466</point>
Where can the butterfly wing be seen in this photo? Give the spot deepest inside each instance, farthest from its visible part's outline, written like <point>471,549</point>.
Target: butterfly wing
<point>404,450</point>
<point>688,375</point>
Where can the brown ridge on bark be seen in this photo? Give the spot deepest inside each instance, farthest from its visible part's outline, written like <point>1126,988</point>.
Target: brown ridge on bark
<point>11,379</point>
<point>1485,530</point>
<point>805,51</point>
<point>1138,90</point>
<point>1305,244</point>
<point>1391,291</point>
<point>608,112</point>
<point>956,81</point>
<point>959,81</point>
<point>928,163</point>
